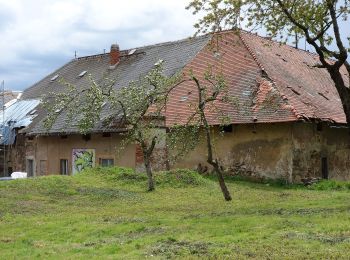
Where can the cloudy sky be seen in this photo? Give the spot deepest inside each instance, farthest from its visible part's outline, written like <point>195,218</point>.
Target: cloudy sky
<point>38,36</point>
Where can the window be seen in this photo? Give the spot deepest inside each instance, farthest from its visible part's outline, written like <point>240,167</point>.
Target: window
<point>64,167</point>
<point>106,162</point>
<point>226,128</point>
<point>86,137</point>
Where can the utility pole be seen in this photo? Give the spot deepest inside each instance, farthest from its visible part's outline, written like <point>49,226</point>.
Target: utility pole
<point>3,125</point>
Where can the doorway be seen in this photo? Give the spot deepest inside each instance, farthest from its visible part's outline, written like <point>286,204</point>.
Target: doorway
<point>324,168</point>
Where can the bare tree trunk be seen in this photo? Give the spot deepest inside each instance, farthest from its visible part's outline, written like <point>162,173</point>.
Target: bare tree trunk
<point>149,173</point>
<point>147,152</point>
<point>343,91</point>
<point>221,180</point>
<point>215,162</point>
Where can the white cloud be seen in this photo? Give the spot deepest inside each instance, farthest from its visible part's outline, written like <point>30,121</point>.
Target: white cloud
<point>39,35</point>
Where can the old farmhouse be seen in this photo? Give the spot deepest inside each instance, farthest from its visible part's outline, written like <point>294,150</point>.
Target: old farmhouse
<point>288,122</point>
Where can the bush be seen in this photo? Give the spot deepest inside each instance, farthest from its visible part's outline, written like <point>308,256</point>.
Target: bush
<point>331,185</point>
<point>179,178</point>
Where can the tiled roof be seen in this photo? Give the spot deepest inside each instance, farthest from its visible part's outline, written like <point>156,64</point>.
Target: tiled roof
<point>174,54</point>
<point>256,99</point>
<point>271,82</point>
<point>309,90</point>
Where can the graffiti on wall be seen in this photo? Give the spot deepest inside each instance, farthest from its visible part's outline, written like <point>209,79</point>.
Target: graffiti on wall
<point>82,159</point>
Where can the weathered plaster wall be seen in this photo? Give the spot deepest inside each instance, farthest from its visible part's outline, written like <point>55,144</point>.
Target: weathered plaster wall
<point>159,155</point>
<point>261,150</point>
<point>48,150</point>
<point>312,144</point>
<point>289,151</point>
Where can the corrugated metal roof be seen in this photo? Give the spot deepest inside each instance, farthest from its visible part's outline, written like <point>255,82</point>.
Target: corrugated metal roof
<point>16,116</point>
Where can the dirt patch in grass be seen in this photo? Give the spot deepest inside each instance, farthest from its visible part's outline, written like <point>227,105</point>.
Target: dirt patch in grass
<point>122,220</point>
<point>172,248</point>
<point>323,238</point>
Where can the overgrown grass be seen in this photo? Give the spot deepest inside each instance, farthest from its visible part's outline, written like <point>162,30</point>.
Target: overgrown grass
<point>107,213</point>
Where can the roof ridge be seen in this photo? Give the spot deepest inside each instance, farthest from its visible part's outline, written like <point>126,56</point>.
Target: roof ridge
<point>281,43</point>
<point>125,51</point>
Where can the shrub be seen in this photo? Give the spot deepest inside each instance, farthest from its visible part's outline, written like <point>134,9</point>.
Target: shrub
<point>179,178</point>
<point>330,185</point>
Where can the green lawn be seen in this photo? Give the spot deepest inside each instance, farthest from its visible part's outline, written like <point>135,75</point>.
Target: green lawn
<point>110,215</point>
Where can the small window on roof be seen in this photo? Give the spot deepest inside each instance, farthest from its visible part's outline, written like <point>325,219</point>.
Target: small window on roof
<point>159,62</point>
<point>131,52</point>
<point>82,74</point>
<point>54,77</point>
<point>32,112</point>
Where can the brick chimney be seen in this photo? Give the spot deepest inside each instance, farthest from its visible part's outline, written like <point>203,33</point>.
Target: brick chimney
<point>114,54</point>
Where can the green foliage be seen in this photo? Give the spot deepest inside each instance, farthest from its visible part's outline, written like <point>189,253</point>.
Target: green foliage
<point>331,185</point>
<point>180,178</point>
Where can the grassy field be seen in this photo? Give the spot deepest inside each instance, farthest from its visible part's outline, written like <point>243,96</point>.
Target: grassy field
<point>108,214</point>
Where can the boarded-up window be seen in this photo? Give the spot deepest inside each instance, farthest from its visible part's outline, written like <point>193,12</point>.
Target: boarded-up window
<point>43,167</point>
<point>64,167</point>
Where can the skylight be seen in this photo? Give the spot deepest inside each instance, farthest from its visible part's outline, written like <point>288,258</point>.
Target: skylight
<point>159,62</point>
<point>54,77</point>
<point>131,52</point>
<point>32,112</point>
<point>82,74</point>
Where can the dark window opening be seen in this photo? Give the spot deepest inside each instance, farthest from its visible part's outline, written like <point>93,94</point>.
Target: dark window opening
<point>87,137</point>
<point>319,127</point>
<point>106,135</point>
<point>325,168</point>
<point>226,128</point>
<point>30,168</point>
<point>30,138</point>
<point>64,136</point>
<point>106,162</point>
<point>64,167</point>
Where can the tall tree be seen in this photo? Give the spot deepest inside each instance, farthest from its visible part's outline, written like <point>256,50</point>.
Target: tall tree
<point>212,95</point>
<point>137,107</point>
<point>317,21</point>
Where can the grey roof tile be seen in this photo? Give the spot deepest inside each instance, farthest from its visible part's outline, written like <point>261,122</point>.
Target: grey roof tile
<point>174,54</point>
